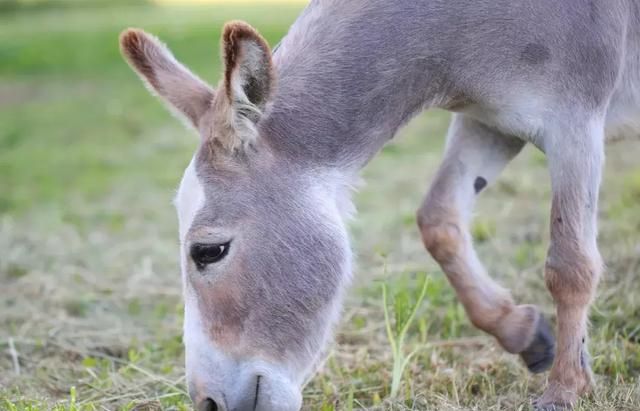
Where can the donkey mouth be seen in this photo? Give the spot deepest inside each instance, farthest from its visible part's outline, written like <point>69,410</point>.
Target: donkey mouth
<point>257,395</point>
<point>208,405</point>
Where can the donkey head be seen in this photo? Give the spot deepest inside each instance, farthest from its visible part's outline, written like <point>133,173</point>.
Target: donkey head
<point>264,251</point>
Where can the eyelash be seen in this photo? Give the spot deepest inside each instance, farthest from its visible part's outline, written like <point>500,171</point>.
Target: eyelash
<point>206,254</point>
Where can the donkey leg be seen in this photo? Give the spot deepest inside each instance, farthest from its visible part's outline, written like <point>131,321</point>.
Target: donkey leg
<point>573,263</point>
<point>474,157</point>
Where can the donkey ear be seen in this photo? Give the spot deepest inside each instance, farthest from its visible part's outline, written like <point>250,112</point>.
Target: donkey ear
<point>182,90</point>
<point>248,77</point>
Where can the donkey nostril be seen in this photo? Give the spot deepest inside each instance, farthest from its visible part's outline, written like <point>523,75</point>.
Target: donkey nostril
<point>208,405</point>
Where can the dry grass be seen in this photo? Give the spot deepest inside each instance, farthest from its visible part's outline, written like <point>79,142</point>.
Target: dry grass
<point>90,289</point>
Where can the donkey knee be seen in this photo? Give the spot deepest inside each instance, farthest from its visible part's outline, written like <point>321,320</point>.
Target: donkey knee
<point>571,275</point>
<point>441,234</point>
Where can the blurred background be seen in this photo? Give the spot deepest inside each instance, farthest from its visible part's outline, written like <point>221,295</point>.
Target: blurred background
<point>90,294</point>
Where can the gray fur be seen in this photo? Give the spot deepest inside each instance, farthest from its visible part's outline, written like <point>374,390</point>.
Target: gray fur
<point>292,258</point>
<point>346,87</point>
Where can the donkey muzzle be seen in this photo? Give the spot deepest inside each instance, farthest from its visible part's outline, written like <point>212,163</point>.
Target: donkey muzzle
<point>261,388</point>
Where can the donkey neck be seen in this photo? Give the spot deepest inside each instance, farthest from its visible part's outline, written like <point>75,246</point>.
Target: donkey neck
<point>343,89</point>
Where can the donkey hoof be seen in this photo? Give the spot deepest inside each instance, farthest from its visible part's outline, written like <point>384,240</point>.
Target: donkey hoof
<point>538,357</point>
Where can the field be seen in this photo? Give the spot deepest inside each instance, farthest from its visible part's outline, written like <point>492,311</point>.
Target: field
<point>90,295</point>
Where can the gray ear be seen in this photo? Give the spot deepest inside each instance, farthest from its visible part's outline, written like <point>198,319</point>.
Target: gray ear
<point>249,77</point>
<point>182,90</point>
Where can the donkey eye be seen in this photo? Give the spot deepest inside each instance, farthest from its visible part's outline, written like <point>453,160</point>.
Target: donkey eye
<point>205,254</point>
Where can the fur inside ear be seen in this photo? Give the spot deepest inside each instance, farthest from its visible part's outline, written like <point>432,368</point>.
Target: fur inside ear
<point>248,78</point>
<point>182,90</point>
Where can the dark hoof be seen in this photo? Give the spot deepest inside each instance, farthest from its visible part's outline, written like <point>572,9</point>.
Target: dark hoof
<point>539,355</point>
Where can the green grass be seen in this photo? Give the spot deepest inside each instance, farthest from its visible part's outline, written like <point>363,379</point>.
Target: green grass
<point>90,305</point>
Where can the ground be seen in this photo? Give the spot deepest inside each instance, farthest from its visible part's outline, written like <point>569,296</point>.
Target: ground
<point>90,301</point>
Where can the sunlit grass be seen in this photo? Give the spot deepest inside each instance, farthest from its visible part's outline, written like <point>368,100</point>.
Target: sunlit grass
<point>404,312</point>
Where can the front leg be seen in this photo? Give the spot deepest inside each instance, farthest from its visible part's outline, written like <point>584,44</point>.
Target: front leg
<point>475,156</point>
<point>573,264</point>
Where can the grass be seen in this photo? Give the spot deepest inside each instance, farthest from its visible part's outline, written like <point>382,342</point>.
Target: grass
<point>404,312</point>
<point>90,305</point>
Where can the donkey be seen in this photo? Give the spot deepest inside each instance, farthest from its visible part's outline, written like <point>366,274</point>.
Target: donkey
<point>265,255</point>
